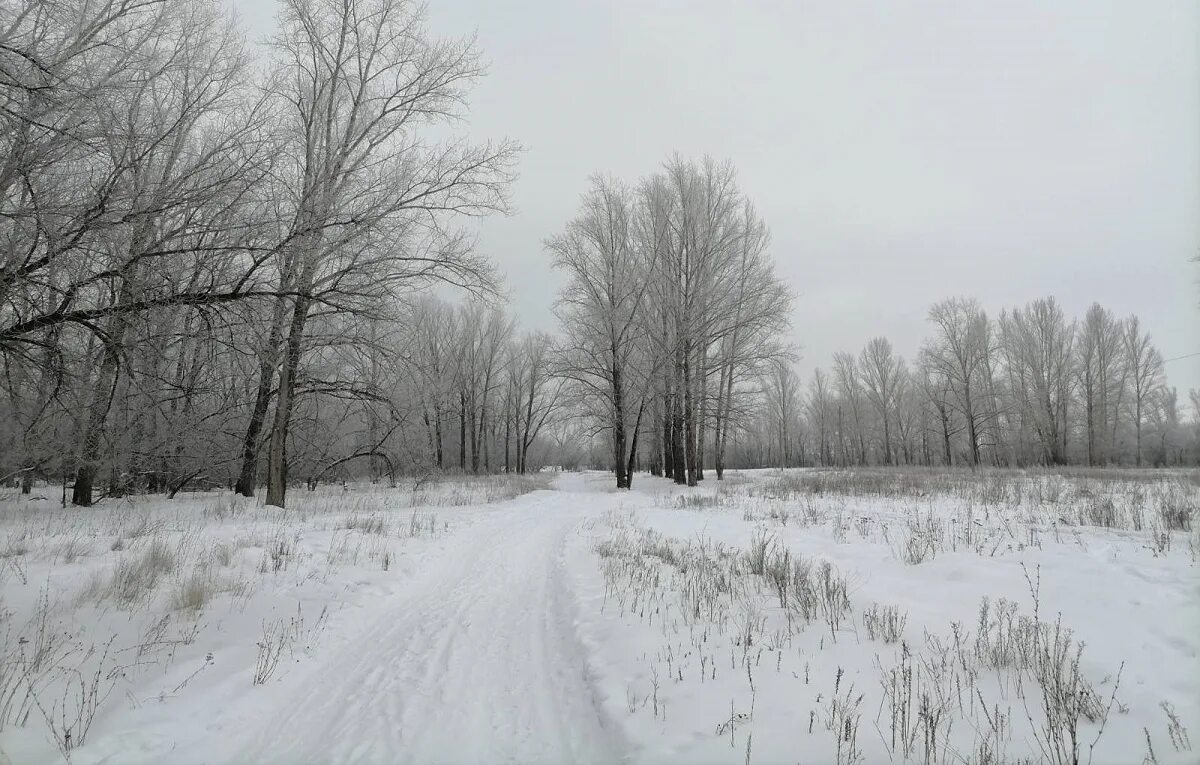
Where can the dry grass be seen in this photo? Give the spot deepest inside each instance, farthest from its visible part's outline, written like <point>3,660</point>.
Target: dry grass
<point>1019,678</point>
<point>135,576</point>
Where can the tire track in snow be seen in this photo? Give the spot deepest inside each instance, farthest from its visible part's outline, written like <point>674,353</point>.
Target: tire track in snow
<point>480,663</point>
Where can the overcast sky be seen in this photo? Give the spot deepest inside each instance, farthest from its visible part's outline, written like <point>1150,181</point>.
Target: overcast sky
<point>901,152</point>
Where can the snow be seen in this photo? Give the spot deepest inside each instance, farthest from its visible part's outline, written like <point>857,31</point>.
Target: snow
<point>474,662</point>
<point>1127,604</point>
<point>461,623</point>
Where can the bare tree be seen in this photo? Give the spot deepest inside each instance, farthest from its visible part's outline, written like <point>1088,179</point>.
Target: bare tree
<point>141,144</point>
<point>536,394</point>
<point>851,414</point>
<point>1097,367</point>
<point>601,309</point>
<point>783,399</point>
<point>884,376</point>
<point>820,409</point>
<point>1145,366</point>
<point>435,328</point>
<point>746,333</point>
<point>360,79</point>
<point>1037,343</point>
<point>697,246</point>
<point>936,390</point>
<point>959,354</point>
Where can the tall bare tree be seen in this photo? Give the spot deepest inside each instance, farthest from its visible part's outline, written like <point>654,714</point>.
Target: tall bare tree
<point>368,196</point>
<point>884,376</point>
<point>851,409</point>
<point>1098,367</point>
<point>1145,365</point>
<point>960,353</point>
<point>601,311</point>
<point>1037,344</point>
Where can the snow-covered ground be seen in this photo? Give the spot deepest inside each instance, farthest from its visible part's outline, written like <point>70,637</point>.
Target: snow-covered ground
<point>801,618</point>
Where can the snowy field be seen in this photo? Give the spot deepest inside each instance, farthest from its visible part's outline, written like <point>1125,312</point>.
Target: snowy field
<point>800,617</point>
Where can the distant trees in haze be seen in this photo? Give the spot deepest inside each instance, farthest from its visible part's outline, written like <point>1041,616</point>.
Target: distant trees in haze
<point>1031,387</point>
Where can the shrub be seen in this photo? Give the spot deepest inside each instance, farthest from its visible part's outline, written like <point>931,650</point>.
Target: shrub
<point>884,623</point>
<point>756,557</point>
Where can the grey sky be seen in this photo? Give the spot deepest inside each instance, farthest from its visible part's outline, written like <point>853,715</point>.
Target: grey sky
<point>901,152</point>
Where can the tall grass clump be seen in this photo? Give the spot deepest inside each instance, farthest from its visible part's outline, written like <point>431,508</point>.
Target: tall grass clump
<point>136,574</point>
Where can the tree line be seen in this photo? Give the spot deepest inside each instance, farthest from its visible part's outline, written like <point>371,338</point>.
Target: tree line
<point>216,266</point>
<point>674,321</point>
<point>1029,387</point>
<point>207,257</point>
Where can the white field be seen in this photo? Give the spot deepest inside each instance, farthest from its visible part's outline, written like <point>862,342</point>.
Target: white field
<point>804,618</point>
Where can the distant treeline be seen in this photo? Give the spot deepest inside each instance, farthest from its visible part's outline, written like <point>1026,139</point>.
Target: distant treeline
<point>1030,387</point>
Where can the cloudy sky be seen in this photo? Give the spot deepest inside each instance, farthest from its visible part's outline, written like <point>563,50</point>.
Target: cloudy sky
<point>901,152</point>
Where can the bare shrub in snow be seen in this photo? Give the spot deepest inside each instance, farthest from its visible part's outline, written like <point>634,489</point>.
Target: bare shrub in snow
<point>834,597</point>
<point>47,669</point>
<point>277,637</point>
<point>1101,512</point>
<point>779,574</point>
<point>841,719</point>
<point>756,556</point>
<point>1175,730</point>
<point>1177,510</point>
<point>85,688</point>
<point>918,541</point>
<point>884,623</point>
<point>280,553</point>
<point>1066,698</point>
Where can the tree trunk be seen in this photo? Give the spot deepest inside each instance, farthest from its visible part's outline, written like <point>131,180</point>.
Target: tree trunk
<point>507,437</point>
<point>93,433</point>
<point>689,417</point>
<point>668,445</point>
<point>720,437</point>
<point>284,399</point>
<point>656,468</point>
<point>946,436</point>
<point>637,428</point>
<point>102,397</point>
<point>247,476</point>
<point>619,465</point>
<point>1137,448</point>
<point>487,453</point>
<point>887,440</point>
<point>720,422</point>
<point>842,450</point>
<point>474,433</point>
<point>462,431</point>
<point>437,430</point>
<point>428,431</point>
<point>678,457</point>
<point>862,439</point>
<point>701,419</point>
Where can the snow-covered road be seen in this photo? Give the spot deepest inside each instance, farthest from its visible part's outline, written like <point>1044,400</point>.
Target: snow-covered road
<point>480,664</point>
